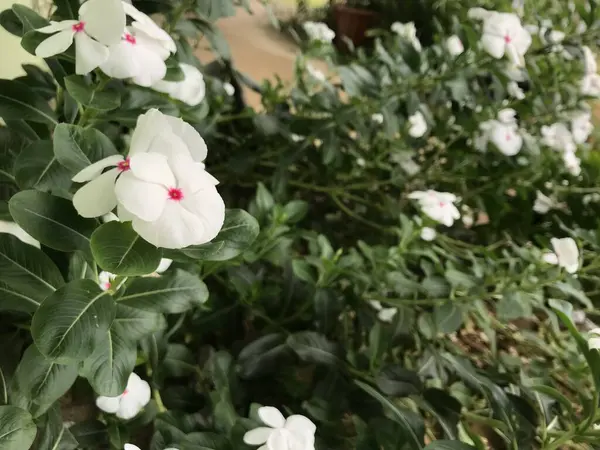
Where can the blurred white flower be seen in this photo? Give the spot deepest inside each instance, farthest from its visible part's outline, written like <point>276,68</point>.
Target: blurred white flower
<point>428,234</point>
<point>296,137</point>
<point>318,31</point>
<point>437,205</point>
<point>105,280</point>
<point>408,32</point>
<point>135,447</point>
<point>377,118</point>
<point>572,163</point>
<point>18,232</point>
<point>594,344</point>
<point>454,45</point>
<point>99,25</point>
<point>589,60</point>
<point>514,90</point>
<point>383,314</point>
<point>558,137</point>
<point>127,405</point>
<point>229,89</point>
<point>590,198</point>
<point>191,90</point>
<point>581,127</point>
<point>502,132</point>
<point>418,125</point>
<point>315,73</point>
<point>294,433</point>
<point>479,13</point>
<point>590,83</point>
<point>503,35</point>
<point>543,203</point>
<point>566,254</point>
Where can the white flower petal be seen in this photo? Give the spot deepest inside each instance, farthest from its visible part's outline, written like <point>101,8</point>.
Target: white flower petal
<point>153,168</point>
<point>109,404</point>
<point>122,61</point>
<point>55,44</point>
<point>89,54</point>
<point>428,234</point>
<point>279,440</point>
<point>148,126</point>
<point>191,176</point>
<point>594,343</point>
<point>131,447</point>
<point>258,436</point>
<point>95,169</point>
<point>376,304</point>
<point>171,145</point>
<point>164,264</point>
<point>387,314</point>
<point>152,67</point>
<point>144,200</point>
<point>493,44</point>
<point>128,409</point>
<point>97,197</point>
<point>18,232</point>
<point>104,20</point>
<point>57,26</point>
<point>271,416</point>
<point>300,424</point>
<point>138,389</point>
<point>208,206</point>
<point>192,139</point>
<point>550,258</point>
<point>190,90</point>
<point>567,252</point>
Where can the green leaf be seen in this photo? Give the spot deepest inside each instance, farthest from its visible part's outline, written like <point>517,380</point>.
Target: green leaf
<point>577,294</point>
<point>304,271</point>
<point>174,293</point>
<point>29,18</point>
<point>513,305</point>
<point>399,416</point>
<point>71,323</point>
<point>449,445</point>
<point>238,233</point>
<point>90,434</point>
<point>11,22</point>
<point>447,317</point>
<point>120,250</point>
<point>67,9</point>
<point>76,147</point>
<point>205,441</point>
<point>39,382</point>
<point>90,96</point>
<point>51,220</point>
<point>179,361</point>
<point>109,367</point>
<point>262,356</point>
<point>398,381</point>
<point>556,395</point>
<point>314,347</point>
<point>18,101</point>
<point>27,275</point>
<point>36,167</point>
<point>53,434</point>
<point>133,323</point>
<point>17,430</point>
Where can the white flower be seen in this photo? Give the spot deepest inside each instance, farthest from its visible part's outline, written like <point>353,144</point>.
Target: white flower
<point>418,125</point>
<point>383,314</point>
<point>589,59</point>
<point>590,85</point>
<point>566,254</point>
<point>161,186</point>
<point>479,13</point>
<point>229,89</point>
<point>437,205</point>
<point>135,447</point>
<point>503,133</point>
<point>594,344</point>
<point>294,433</point>
<point>164,264</point>
<point>100,24</point>
<point>581,127</point>
<point>315,73</point>
<point>454,45</point>
<point>377,118</point>
<point>428,234</point>
<point>503,34</point>
<point>105,280</point>
<point>591,198</point>
<point>514,90</point>
<point>572,163</point>
<point>143,24</point>
<point>127,405</point>
<point>18,232</point>
<point>543,203</point>
<point>558,137</point>
<point>318,31</point>
<point>190,90</point>
<point>408,32</point>
<point>296,137</point>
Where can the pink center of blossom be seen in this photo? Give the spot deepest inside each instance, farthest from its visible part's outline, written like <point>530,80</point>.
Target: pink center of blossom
<point>176,194</point>
<point>130,38</point>
<point>442,204</point>
<point>124,166</point>
<point>78,27</point>
<point>126,391</point>
<point>107,286</point>
<point>508,137</point>
<point>507,39</point>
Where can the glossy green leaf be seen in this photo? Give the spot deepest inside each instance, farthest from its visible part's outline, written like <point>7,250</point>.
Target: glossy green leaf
<point>205,441</point>
<point>36,167</point>
<point>179,361</point>
<point>71,323</point>
<point>262,356</point>
<point>53,433</point>
<point>447,317</point>
<point>29,18</point>
<point>91,96</point>
<point>398,381</point>
<point>18,101</point>
<point>134,324</point>
<point>76,147</point>
<point>17,430</point>
<point>120,250</point>
<point>314,347</point>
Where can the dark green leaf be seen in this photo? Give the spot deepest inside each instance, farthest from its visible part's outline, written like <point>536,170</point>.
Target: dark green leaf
<point>447,317</point>
<point>179,361</point>
<point>133,323</point>
<point>76,147</point>
<point>29,18</point>
<point>18,101</point>
<point>90,434</point>
<point>449,445</point>
<point>90,95</point>
<point>262,356</point>
<point>53,434</point>
<point>17,430</point>
<point>11,22</point>
<point>36,167</point>
<point>398,382</point>
<point>314,347</point>
<point>205,441</point>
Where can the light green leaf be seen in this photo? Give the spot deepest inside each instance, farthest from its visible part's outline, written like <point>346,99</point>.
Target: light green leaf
<point>71,323</point>
<point>17,430</point>
<point>90,96</point>
<point>76,147</point>
<point>120,250</point>
<point>18,101</point>
<point>447,317</point>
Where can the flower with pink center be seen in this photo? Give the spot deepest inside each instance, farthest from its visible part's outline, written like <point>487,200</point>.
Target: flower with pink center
<point>503,132</point>
<point>439,206</point>
<point>503,34</point>
<point>105,280</point>
<point>143,25</point>
<point>127,405</point>
<point>100,24</point>
<point>294,433</point>
<point>191,90</point>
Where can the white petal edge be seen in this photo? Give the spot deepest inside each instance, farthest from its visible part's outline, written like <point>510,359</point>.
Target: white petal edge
<point>89,54</point>
<point>95,169</point>
<point>55,45</point>
<point>144,200</point>
<point>97,197</point>
<point>271,416</point>
<point>258,436</point>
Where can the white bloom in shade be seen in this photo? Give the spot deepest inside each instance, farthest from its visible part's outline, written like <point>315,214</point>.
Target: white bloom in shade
<point>315,73</point>
<point>229,89</point>
<point>454,45</point>
<point>428,234</point>
<point>377,118</point>
<point>383,314</point>
<point>566,254</point>
<point>190,90</point>
<point>318,31</point>
<point>418,125</point>
<point>594,343</point>
<point>296,137</point>
<point>18,232</point>
<point>503,133</point>
<point>408,32</point>
<point>161,187</point>
<point>135,447</point>
<point>589,59</point>
<point>127,405</point>
<point>479,13</point>
<point>165,263</point>
<point>503,34</point>
<point>590,85</point>
<point>543,203</point>
<point>437,205</point>
<point>100,24</point>
<point>514,90</point>
<point>294,433</point>
<point>572,163</point>
<point>105,280</point>
<point>581,127</point>
<point>144,25</point>
<point>558,137</point>
<point>591,198</point>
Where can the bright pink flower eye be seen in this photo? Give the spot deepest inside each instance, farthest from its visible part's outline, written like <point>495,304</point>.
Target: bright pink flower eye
<point>124,166</point>
<point>78,27</point>
<point>507,39</point>
<point>125,392</point>
<point>508,137</point>
<point>176,194</point>
<point>130,38</point>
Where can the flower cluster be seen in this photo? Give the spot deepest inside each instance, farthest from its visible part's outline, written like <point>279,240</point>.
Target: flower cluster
<point>502,132</point>
<point>162,186</point>
<point>294,433</point>
<point>318,31</point>
<point>439,206</point>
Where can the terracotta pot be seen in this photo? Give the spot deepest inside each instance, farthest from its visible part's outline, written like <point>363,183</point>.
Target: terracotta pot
<point>352,23</point>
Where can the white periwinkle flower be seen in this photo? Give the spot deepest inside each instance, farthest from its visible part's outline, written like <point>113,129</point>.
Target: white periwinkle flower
<point>144,24</point>
<point>437,205</point>
<point>127,405</point>
<point>161,187</point>
<point>566,254</point>
<point>428,234</point>
<point>99,25</point>
<point>318,31</point>
<point>294,433</point>
<point>408,32</point>
<point>543,203</point>
<point>594,343</point>
<point>503,133</point>
<point>191,90</point>
<point>383,314</point>
<point>514,90</point>
<point>581,126</point>
<point>590,83</point>
<point>572,163</point>
<point>479,13</point>
<point>18,232</point>
<point>503,34</point>
<point>454,45</point>
<point>105,280</point>
<point>377,118</point>
<point>315,73</point>
<point>418,125</point>
<point>135,447</point>
<point>229,89</point>
<point>558,137</point>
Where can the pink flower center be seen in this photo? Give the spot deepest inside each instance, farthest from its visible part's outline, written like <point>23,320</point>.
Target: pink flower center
<point>126,391</point>
<point>107,286</point>
<point>442,204</point>
<point>507,39</point>
<point>176,194</point>
<point>508,137</point>
<point>124,166</point>
<point>78,27</point>
<point>130,38</point>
